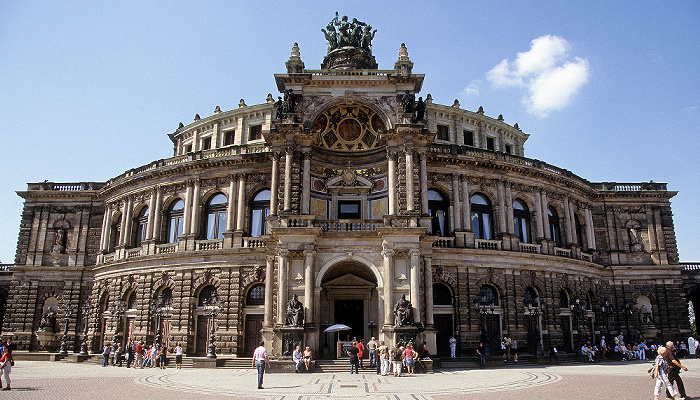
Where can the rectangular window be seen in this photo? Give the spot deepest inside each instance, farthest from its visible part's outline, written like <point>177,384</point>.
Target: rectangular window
<point>255,132</point>
<point>229,137</point>
<point>490,143</point>
<point>206,143</point>
<point>469,138</point>
<point>508,149</point>
<point>443,132</point>
<point>188,148</point>
<point>349,209</point>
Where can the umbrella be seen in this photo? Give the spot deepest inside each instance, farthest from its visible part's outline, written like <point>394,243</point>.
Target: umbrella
<point>337,328</point>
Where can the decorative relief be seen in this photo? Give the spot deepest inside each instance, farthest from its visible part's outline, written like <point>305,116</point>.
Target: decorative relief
<point>349,127</point>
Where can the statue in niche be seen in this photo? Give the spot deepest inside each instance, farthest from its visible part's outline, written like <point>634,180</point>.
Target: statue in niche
<point>59,241</point>
<point>420,110</point>
<point>403,311</point>
<point>645,316</point>
<point>48,321</point>
<point>295,312</point>
<point>635,239</point>
<point>406,101</point>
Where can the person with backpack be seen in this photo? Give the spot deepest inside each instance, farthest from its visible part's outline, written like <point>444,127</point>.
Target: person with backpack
<point>397,358</point>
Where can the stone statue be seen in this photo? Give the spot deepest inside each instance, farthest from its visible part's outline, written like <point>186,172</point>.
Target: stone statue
<point>343,33</point>
<point>279,108</point>
<point>367,36</point>
<point>295,312</point>
<point>420,110</point>
<point>645,316</point>
<point>407,100</point>
<point>48,321</point>
<point>403,312</point>
<point>59,241</point>
<point>289,102</point>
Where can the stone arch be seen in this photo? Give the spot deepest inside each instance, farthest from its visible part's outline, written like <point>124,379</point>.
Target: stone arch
<point>351,99</point>
<point>493,280</point>
<point>254,276</point>
<point>349,257</point>
<point>207,278</point>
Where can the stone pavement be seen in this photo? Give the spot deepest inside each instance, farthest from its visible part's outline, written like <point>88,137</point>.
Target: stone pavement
<point>614,380</point>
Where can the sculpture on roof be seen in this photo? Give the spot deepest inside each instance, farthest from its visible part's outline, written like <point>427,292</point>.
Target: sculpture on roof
<point>343,33</point>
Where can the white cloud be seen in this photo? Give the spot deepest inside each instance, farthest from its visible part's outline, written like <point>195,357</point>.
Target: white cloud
<point>547,73</point>
<point>472,90</point>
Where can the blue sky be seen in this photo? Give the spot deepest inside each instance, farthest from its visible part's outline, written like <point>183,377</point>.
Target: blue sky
<point>91,89</point>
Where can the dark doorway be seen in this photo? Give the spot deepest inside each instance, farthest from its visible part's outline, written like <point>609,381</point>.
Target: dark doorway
<point>253,326</point>
<point>531,329</point>
<point>493,330</point>
<point>444,331</point>
<point>350,313</point>
<point>200,346</point>
<point>566,333</point>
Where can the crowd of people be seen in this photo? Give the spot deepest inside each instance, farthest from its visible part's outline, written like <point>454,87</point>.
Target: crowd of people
<point>139,355</point>
<point>385,359</point>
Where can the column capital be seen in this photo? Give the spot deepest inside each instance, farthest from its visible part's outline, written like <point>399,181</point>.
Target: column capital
<point>284,253</point>
<point>270,258</point>
<point>309,253</point>
<point>414,252</point>
<point>388,253</point>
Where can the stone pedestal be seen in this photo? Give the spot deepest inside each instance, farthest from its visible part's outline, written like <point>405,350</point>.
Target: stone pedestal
<point>405,334</point>
<point>44,338</point>
<point>290,337</point>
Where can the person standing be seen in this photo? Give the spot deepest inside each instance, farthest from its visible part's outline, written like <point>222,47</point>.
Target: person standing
<point>353,352</point>
<point>361,348</point>
<point>661,369</point>
<point>130,354</point>
<point>372,346</point>
<point>481,351</point>
<point>409,356</point>
<point>603,346</point>
<point>397,360</point>
<point>691,346</point>
<point>260,360</point>
<point>514,349</point>
<point>384,358</point>
<point>453,347</point>
<point>296,358</point>
<point>105,353</point>
<point>6,363</point>
<point>139,355</point>
<point>675,367</point>
<point>178,356</point>
<point>162,356</point>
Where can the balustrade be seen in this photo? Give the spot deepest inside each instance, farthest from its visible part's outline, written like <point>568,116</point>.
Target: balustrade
<point>559,252</point>
<point>444,242</point>
<point>211,244</point>
<point>485,244</point>
<point>353,225</point>
<point>529,248</point>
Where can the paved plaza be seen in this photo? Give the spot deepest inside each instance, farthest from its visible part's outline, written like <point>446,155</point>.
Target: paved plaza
<point>613,380</point>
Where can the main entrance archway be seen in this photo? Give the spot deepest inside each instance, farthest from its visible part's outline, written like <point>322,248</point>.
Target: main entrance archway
<point>348,296</point>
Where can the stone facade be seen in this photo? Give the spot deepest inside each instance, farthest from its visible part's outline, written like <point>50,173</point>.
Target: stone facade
<point>348,193</point>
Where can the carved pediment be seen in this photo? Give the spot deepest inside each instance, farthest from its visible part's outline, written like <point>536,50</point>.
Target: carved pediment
<point>348,282</point>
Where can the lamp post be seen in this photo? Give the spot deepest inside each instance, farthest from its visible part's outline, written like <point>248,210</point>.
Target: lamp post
<point>606,310</point>
<point>371,325</point>
<point>485,305</point>
<point>577,311</point>
<point>534,309</point>
<point>117,308</point>
<point>159,307</point>
<point>628,314</point>
<point>67,312</point>
<point>211,309</point>
<point>86,312</point>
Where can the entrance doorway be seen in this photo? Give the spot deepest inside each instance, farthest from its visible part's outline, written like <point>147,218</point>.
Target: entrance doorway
<point>253,334</point>
<point>532,334</point>
<point>493,331</point>
<point>444,331</point>
<point>350,313</point>
<point>566,334</point>
<point>200,345</point>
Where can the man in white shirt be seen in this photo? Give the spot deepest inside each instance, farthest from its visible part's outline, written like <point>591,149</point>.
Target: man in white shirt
<point>372,346</point>
<point>260,360</point>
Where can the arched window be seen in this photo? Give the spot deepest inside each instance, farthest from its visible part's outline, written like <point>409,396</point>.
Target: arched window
<point>531,297</point>
<point>259,209</point>
<point>437,208</point>
<point>563,299</point>
<point>488,295</point>
<point>256,295</point>
<point>131,300</point>
<point>216,216</point>
<point>482,221</point>
<point>175,221</point>
<point>554,232</point>
<point>165,297</point>
<point>521,217</point>
<point>442,295</point>
<point>141,224</point>
<point>206,294</point>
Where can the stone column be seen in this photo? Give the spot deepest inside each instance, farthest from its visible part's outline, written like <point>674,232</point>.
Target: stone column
<point>545,216</point>
<point>423,183</point>
<point>539,228</point>
<point>501,207</point>
<point>289,153</point>
<point>126,219</point>
<point>267,321</point>
<point>306,183</point>
<point>410,198</point>
<point>194,225</point>
<point>283,264</point>
<point>151,214</point>
<point>187,213</point>
<point>106,229</point>
<point>590,232</point>
<point>392,182</point>
<point>274,183</point>
<point>415,285</point>
<point>428,275</point>
<point>240,214</point>
<point>157,214</point>
<point>215,133</point>
<point>466,203</point>
<point>388,255</point>
<point>309,285</point>
<point>567,222</point>
<point>457,224</point>
<point>510,222</point>
<point>231,206</point>
<point>572,218</point>
<point>651,231</point>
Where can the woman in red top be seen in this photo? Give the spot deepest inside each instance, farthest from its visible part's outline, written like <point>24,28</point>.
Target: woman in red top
<point>361,348</point>
<point>409,358</point>
<point>6,363</point>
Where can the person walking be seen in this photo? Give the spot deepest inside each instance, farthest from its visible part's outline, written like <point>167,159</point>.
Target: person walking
<point>453,347</point>
<point>178,356</point>
<point>6,363</point>
<point>661,369</point>
<point>260,360</point>
<point>354,352</point>
<point>372,346</point>
<point>105,353</point>
<point>675,367</point>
